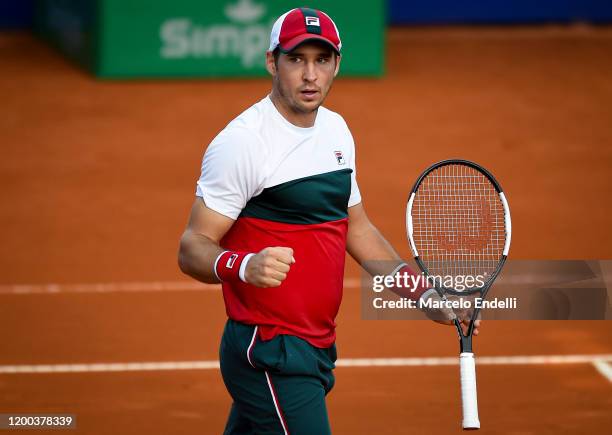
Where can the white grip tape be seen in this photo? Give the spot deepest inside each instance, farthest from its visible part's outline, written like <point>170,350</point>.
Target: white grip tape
<point>468,391</point>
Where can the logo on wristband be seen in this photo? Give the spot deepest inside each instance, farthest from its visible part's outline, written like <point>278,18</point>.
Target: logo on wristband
<point>231,260</point>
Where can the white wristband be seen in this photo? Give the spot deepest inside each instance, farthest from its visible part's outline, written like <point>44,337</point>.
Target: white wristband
<point>243,267</point>
<point>428,293</point>
<point>215,265</point>
<point>398,268</point>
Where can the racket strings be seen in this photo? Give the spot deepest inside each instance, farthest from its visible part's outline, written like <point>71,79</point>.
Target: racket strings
<point>458,222</point>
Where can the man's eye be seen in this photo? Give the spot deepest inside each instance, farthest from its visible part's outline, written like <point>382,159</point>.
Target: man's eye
<point>323,60</point>
<point>294,59</point>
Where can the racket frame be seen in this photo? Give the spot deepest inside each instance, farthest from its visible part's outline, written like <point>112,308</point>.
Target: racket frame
<point>468,376</point>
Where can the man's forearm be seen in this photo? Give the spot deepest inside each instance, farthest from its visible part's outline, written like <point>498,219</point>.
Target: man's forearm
<point>371,250</point>
<point>375,254</point>
<point>197,255</point>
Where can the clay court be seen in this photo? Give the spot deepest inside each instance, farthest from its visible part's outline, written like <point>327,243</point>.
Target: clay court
<point>98,178</point>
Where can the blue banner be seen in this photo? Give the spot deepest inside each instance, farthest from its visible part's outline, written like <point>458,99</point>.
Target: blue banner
<point>16,14</point>
<point>498,11</point>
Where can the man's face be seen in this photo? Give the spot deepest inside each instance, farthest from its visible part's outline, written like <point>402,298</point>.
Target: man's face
<point>303,77</point>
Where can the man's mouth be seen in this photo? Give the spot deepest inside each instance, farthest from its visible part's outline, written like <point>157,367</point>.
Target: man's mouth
<point>309,93</point>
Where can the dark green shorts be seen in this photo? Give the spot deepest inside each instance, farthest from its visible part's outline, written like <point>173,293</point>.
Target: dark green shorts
<point>278,386</point>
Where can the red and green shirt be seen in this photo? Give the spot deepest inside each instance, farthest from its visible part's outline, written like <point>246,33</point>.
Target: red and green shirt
<point>285,186</point>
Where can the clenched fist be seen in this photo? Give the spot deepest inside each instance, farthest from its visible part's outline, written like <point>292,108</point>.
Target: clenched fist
<point>269,267</point>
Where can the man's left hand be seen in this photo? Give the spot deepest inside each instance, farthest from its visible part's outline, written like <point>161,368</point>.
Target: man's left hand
<point>447,316</point>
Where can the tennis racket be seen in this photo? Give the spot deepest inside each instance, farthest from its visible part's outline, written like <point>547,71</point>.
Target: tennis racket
<point>458,224</point>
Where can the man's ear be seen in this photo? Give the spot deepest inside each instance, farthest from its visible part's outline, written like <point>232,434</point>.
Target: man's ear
<point>338,59</point>
<point>270,64</point>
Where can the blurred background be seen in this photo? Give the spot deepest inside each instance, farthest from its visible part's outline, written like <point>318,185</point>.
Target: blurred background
<point>107,108</point>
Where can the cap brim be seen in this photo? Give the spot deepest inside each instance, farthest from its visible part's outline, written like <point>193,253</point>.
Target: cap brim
<point>298,40</point>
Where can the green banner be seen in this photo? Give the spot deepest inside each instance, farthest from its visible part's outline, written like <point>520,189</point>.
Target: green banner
<point>214,38</point>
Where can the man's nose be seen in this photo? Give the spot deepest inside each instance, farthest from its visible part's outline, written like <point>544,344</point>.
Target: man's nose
<point>310,72</point>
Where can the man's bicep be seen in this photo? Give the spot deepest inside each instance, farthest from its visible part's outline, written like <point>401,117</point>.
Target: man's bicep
<point>207,222</point>
<point>231,172</point>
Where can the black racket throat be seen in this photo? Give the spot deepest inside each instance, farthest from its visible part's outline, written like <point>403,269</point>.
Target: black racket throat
<point>465,341</point>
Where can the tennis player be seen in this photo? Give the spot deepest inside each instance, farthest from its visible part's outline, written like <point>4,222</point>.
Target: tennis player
<point>277,206</point>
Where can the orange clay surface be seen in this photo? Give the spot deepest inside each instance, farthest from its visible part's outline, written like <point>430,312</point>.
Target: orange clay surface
<point>97,179</point>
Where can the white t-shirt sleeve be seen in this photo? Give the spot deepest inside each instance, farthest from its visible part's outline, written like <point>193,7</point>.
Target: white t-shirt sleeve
<point>232,171</point>
<point>355,197</point>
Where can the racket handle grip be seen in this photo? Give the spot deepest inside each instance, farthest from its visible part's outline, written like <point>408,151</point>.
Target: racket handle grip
<point>468,391</point>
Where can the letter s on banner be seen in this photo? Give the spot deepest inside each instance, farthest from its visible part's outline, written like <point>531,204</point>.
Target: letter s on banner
<point>175,38</point>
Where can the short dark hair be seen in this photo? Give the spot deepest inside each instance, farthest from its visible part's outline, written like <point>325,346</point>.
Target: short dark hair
<point>276,54</point>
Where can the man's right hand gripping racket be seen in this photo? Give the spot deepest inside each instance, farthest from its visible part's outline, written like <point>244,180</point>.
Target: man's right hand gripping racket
<point>458,224</point>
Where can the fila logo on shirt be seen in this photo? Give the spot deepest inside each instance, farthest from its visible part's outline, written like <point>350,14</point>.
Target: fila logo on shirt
<point>313,21</point>
<point>231,261</point>
<point>339,157</point>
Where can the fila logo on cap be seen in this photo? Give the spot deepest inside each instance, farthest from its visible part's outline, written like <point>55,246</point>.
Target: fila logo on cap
<point>301,25</point>
<point>313,21</point>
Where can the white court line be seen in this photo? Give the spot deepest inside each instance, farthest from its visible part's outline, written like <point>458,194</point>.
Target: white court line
<point>349,362</point>
<point>190,285</point>
<point>107,287</point>
<point>605,368</point>
<point>483,360</point>
<point>113,287</point>
<point>110,367</point>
